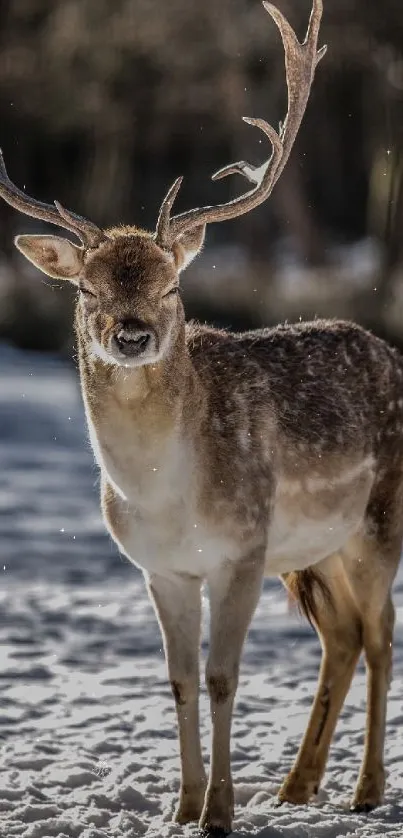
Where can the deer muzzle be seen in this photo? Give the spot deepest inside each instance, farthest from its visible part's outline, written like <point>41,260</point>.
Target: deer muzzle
<point>132,341</point>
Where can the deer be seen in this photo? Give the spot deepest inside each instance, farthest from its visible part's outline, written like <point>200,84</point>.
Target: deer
<point>228,457</point>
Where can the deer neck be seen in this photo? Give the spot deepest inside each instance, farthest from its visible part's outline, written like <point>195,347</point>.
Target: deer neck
<point>137,417</point>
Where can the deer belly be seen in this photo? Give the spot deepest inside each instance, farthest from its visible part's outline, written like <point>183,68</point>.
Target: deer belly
<point>311,524</point>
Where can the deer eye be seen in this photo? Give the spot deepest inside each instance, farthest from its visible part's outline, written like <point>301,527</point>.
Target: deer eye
<point>172,291</point>
<point>86,291</point>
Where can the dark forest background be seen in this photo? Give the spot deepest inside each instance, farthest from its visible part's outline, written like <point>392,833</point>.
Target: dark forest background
<point>104,102</point>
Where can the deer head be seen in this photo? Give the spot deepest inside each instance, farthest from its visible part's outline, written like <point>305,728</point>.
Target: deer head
<point>128,279</point>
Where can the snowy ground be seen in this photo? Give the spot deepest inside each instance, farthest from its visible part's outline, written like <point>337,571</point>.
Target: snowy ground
<point>87,726</point>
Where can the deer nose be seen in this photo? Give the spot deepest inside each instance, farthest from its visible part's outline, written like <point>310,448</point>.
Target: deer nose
<point>132,340</point>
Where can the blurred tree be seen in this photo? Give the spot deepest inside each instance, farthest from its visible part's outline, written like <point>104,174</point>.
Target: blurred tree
<point>102,104</point>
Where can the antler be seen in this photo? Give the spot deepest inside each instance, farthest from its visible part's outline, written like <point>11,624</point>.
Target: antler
<point>300,63</point>
<point>87,232</point>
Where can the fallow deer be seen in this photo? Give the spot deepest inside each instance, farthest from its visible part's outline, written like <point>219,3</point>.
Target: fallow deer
<point>227,457</point>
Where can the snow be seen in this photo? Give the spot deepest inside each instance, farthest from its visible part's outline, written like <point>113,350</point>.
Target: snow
<point>87,723</point>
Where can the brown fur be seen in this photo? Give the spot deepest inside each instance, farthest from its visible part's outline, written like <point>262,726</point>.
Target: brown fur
<point>305,586</point>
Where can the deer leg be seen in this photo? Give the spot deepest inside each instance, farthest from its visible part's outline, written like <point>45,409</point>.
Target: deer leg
<point>234,592</point>
<point>177,601</point>
<point>371,561</point>
<point>339,630</point>
<point>377,637</point>
<point>339,660</point>
<point>360,581</point>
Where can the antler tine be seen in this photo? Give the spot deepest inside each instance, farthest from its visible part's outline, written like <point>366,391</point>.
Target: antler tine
<point>162,229</point>
<point>89,233</point>
<point>300,63</point>
<point>86,231</point>
<point>255,174</point>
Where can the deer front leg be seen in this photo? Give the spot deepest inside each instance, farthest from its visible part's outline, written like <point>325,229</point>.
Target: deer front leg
<point>234,592</point>
<point>177,601</point>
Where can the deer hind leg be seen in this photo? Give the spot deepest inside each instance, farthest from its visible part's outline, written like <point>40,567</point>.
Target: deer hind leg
<point>378,638</point>
<point>177,601</point>
<point>234,592</point>
<point>371,581</point>
<point>339,629</point>
<point>362,615</point>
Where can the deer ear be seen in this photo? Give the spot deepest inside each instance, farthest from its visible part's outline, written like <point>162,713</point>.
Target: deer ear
<point>53,255</point>
<point>186,247</point>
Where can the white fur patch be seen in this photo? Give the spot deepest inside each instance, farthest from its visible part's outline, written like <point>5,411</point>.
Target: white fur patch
<point>98,350</point>
<point>313,485</point>
<point>189,255</point>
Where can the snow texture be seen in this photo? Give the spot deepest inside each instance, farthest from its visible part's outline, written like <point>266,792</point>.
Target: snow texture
<point>87,723</point>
